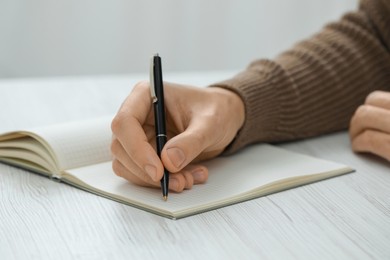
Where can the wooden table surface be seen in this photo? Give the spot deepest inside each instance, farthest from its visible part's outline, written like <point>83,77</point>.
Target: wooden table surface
<point>347,217</point>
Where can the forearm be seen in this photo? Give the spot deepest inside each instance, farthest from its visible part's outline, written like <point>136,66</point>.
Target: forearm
<point>315,87</point>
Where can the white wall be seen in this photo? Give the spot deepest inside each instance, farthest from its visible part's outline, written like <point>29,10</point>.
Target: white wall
<point>67,37</point>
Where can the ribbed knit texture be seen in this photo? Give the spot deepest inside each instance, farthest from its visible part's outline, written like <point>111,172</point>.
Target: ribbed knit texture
<point>315,87</point>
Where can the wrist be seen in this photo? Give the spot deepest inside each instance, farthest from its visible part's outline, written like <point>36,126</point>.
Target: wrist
<point>233,103</point>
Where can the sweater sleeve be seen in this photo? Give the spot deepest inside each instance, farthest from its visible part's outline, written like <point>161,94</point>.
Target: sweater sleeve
<point>315,87</point>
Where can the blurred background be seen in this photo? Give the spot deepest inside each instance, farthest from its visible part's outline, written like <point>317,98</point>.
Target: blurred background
<point>88,37</point>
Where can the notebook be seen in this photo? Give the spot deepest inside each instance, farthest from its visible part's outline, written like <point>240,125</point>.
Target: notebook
<point>78,153</point>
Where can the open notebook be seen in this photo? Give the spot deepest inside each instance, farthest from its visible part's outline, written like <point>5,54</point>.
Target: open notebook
<point>78,153</point>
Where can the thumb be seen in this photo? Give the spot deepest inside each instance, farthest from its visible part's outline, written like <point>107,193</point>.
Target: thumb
<point>182,149</point>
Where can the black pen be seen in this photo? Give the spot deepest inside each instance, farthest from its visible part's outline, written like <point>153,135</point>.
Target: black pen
<point>157,93</point>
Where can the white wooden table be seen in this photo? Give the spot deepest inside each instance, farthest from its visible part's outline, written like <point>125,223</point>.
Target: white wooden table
<point>347,217</point>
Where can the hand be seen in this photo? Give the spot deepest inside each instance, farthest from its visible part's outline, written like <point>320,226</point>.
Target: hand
<point>200,123</point>
<point>370,125</point>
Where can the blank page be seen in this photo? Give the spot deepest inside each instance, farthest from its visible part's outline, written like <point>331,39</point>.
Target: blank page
<point>230,178</point>
<point>78,144</point>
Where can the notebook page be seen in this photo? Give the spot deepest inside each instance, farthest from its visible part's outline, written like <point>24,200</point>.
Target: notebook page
<point>229,177</point>
<point>79,143</point>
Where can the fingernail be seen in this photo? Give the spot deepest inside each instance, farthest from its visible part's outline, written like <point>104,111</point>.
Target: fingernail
<point>198,175</point>
<point>151,171</point>
<point>176,156</point>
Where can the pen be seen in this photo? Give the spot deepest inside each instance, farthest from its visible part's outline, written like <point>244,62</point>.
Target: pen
<point>157,94</point>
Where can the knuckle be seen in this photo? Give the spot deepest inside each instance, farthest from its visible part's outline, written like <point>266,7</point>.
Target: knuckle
<point>136,177</point>
<point>181,182</point>
<point>117,122</point>
<point>141,86</point>
<point>124,114</point>
<point>144,177</point>
<point>116,167</point>
<point>362,111</point>
<point>182,185</point>
<point>374,97</point>
<point>366,140</point>
<point>189,180</point>
<point>114,146</point>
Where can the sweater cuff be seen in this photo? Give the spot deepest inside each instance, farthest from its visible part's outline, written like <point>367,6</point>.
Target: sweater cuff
<point>263,103</point>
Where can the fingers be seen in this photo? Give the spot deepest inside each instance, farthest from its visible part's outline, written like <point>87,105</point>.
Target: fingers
<point>373,142</point>
<point>374,114</point>
<point>129,169</point>
<point>210,128</point>
<point>121,171</point>
<point>178,182</point>
<point>187,177</point>
<point>199,174</point>
<point>187,146</point>
<point>370,125</point>
<point>379,99</point>
<point>132,147</point>
<point>370,117</point>
<point>134,157</point>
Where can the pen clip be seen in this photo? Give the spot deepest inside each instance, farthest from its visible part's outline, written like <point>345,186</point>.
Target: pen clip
<point>151,81</point>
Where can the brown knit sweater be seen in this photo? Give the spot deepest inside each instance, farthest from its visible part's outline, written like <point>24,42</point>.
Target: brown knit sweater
<point>315,87</point>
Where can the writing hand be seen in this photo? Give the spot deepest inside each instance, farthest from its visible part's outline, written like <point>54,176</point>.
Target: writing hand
<point>370,125</point>
<point>200,123</point>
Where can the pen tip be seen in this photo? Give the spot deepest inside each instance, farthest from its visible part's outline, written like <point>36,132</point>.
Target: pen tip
<point>165,198</point>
